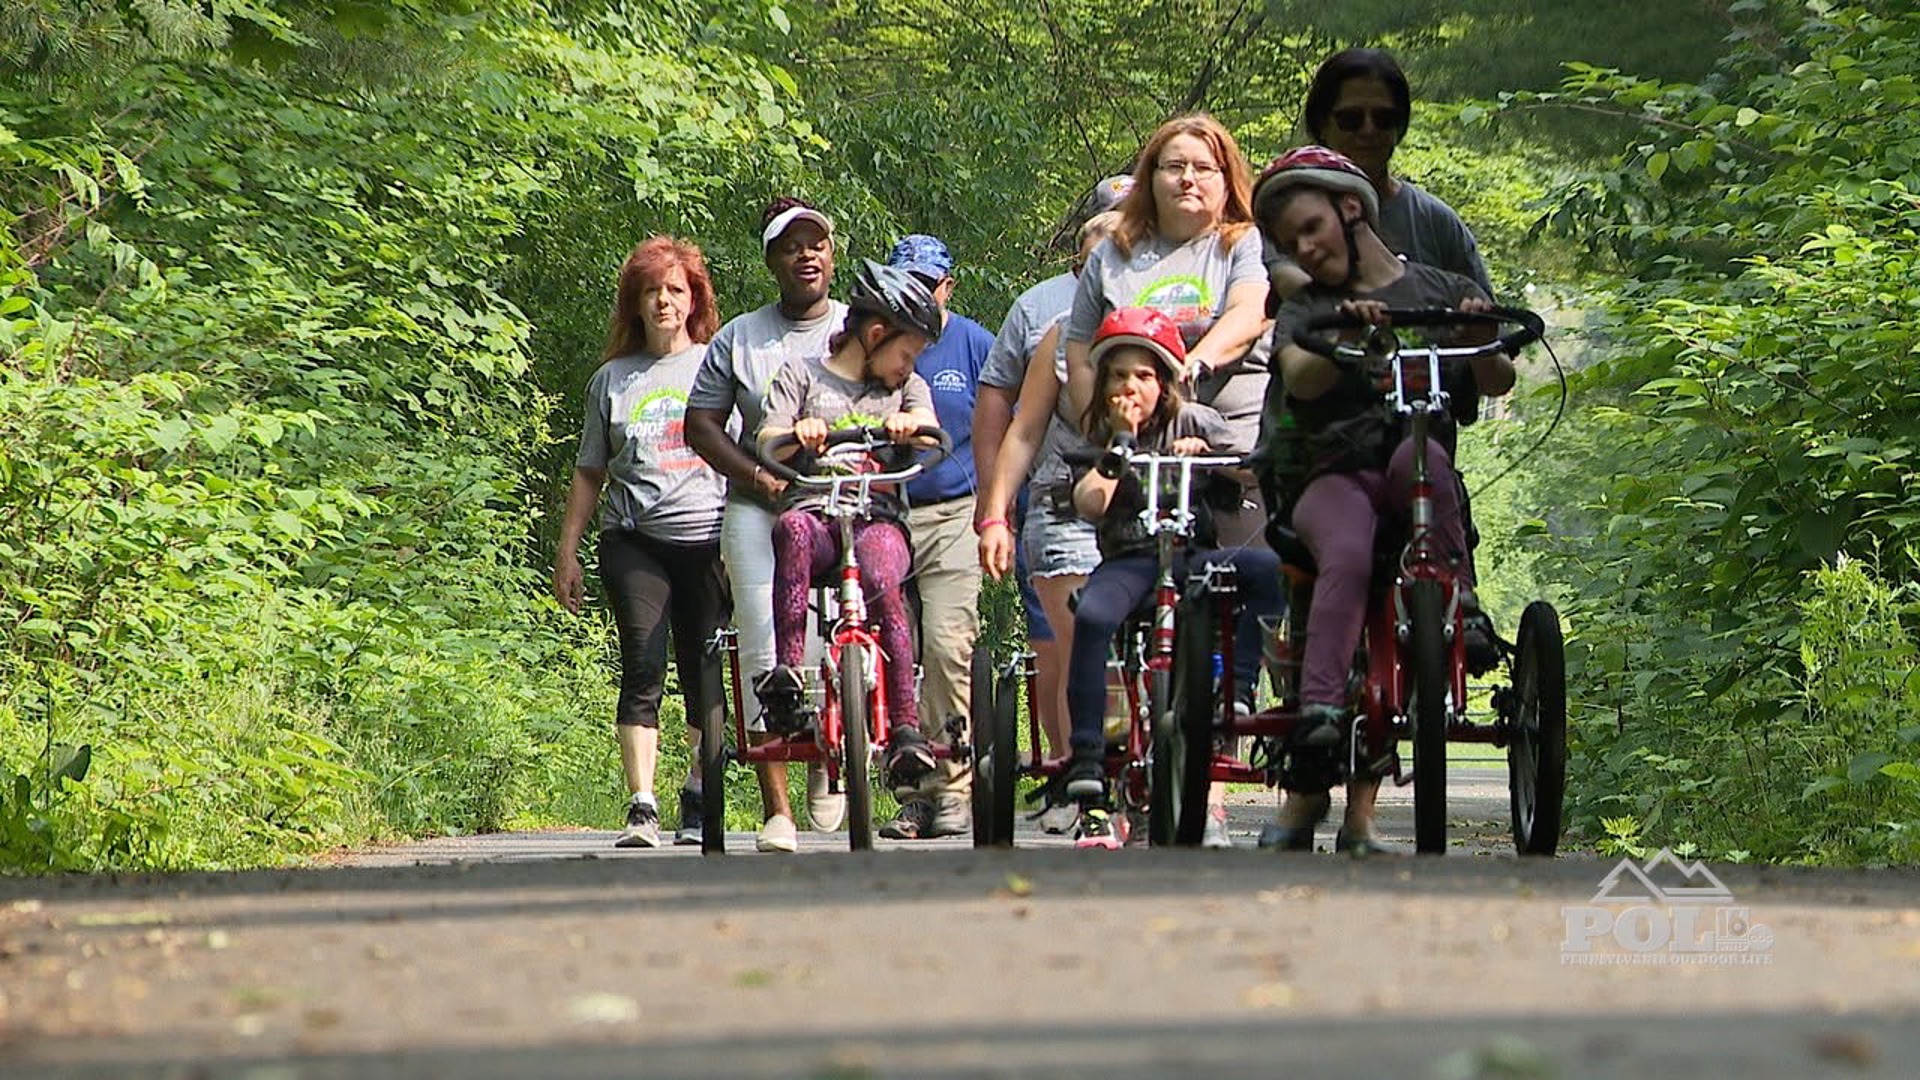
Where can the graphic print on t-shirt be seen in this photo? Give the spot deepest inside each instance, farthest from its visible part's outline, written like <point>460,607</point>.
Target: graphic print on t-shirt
<point>658,423</point>
<point>1186,299</point>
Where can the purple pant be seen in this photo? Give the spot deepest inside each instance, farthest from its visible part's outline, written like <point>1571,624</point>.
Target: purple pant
<point>806,548</point>
<point>1337,517</point>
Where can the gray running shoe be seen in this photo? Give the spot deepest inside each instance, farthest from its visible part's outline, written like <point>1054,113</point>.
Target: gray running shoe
<point>643,826</point>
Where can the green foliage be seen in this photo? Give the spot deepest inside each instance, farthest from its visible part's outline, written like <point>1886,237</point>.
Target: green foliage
<point>1752,423</point>
<point>265,519</point>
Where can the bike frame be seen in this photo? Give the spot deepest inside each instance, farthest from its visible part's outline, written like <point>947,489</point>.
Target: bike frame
<point>850,501</point>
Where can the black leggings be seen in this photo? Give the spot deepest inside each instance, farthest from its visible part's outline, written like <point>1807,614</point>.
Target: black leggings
<point>650,584</point>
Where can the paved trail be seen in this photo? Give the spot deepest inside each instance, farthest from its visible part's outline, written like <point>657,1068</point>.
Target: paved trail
<point>554,955</point>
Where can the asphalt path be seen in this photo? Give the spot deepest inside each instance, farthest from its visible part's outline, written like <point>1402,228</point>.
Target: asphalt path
<point>557,955</point>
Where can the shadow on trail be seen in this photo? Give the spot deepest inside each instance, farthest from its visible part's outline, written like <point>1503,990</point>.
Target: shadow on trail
<point>481,889</point>
<point>1735,1045</point>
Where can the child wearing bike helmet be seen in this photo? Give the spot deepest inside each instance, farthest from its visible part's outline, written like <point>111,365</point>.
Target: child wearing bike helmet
<point>1139,362</point>
<point>867,379</point>
<point>1321,209</point>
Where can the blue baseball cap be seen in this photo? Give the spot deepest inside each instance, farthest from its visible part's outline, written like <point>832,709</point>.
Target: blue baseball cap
<point>918,253</point>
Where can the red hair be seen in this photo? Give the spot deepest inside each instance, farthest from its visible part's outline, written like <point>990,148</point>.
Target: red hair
<point>648,265</point>
<point>1139,218</point>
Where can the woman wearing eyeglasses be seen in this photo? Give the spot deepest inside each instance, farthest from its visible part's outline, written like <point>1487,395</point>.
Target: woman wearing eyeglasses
<point>1186,247</point>
<point>1359,105</point>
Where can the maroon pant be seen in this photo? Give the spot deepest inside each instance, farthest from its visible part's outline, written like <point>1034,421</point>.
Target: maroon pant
<point>1337,518</point>
<point>806,548</point>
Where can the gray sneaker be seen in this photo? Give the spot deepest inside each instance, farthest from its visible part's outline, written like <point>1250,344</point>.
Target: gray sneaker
<point>643,826</point>
<point>1059,818</point>
<point>921,818</point>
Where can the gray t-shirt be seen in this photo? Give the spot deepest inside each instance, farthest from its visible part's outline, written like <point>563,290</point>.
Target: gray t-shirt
<point>635,429</point>
<point>805,387</point>
<point>1063,435</point>
<point>745,354</point>
<point>1027,320</point>
<point>1189,283</point>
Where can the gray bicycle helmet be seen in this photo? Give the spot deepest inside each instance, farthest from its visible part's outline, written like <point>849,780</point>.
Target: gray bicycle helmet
<point>896,296</point>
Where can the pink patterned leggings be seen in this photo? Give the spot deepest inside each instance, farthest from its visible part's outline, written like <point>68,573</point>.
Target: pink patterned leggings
<point>805,549</point>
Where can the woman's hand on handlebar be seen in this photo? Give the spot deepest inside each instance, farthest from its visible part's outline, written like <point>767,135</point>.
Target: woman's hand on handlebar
<point>1191,446</point>
<point>996,549</point>
<point>811,433</point>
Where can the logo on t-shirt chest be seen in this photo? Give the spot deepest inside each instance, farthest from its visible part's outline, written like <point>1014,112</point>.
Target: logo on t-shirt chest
<point>657,426</point>
<point>948,382</point>
<point>1185,298</point>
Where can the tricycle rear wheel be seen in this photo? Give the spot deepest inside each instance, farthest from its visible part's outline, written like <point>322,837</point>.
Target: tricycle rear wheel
<point>1537,755</point>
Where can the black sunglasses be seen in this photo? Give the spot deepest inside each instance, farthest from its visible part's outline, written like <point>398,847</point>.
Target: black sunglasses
<point>1389,119</point>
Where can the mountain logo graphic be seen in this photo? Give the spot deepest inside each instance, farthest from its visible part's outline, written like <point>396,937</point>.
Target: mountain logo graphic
<point>1662,879</point>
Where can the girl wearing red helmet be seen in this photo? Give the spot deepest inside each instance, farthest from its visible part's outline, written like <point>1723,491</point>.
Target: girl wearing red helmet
<point>1139,362</point>
<point>1321,209</point>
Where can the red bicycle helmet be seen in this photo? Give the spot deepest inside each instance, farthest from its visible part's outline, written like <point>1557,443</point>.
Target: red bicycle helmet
<point>1146,327</point>
<point>1314,166</point>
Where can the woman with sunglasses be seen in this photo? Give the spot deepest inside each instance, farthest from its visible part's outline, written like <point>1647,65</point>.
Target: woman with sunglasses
<point>1359,105</point>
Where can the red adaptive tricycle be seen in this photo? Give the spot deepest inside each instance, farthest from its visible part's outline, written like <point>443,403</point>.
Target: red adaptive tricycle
<point>849,728</point>
<point>1410,673</point>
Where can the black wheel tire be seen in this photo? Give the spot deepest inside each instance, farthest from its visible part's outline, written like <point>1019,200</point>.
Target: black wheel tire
<point>713,777</point>
<point>1162,781</point>
<point>856,742</point>
<point>1006,758</point>
<point>1537,756</point>
<point>980,715</point>
<point>1427,652</point>
<point>1182,714</point>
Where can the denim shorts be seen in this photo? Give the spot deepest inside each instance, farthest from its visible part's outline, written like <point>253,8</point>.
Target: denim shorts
<point>1057,541</point>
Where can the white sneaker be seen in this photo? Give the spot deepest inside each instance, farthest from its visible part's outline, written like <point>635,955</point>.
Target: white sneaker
<point>826,811</point>
<point>1216,835</point>
<point>778,834</point>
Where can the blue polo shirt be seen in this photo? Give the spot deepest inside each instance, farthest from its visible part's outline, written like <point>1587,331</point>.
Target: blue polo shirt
<point>952,367</point>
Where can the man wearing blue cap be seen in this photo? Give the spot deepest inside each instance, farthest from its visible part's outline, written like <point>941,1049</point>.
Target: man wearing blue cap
<point>945,567</point>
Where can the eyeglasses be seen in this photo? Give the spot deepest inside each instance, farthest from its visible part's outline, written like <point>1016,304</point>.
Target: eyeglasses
<point>1384,119</point>
<point>1202,170</point>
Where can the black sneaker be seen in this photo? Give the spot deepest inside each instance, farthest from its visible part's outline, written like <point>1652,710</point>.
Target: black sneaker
<point>1482,641</point>
<point>782,693</point>
<point>692,817</point>
<point>1319,727</point>
<point>914,821</point>
<point>643,826</point>
<point>1086,777</point>
<point>909,757</point>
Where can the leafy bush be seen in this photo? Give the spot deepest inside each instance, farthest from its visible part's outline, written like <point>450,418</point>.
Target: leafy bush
<point>1751,422</point>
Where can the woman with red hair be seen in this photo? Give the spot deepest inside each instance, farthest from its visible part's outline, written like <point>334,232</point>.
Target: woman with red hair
<point>660,521</point>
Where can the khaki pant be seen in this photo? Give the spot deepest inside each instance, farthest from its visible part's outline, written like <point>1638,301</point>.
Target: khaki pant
<point>946,566</point>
